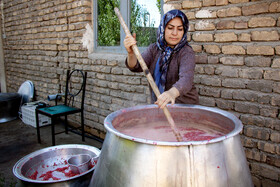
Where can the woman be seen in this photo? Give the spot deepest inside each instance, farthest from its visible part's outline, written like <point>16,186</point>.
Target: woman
<point>170,61</point>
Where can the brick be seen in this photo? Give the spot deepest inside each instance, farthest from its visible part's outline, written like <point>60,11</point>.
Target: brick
<point>211,81</point>
<point>199,37</point>
<point>209,70</point>
<point>237,1</point>
<point>197,48</point>
<point>246,108</point>
<point>213,60</point>
<point>275,137</point>
<point>190,15</point>
<point>264,170</point>
<point>269,183</point>
<point>233,49</point>
<point>201,59</point>
<point>269,111</point>
<point>255,9</point>
<point>264,99</point>
<point>276,87</point>
<point>167,7</point>
<point>260,50</point>
<point>258,61</point>
<point>261,22</point>
<point>225,37</point>
<point>255,154</point>
<point>204,14</point>
<point>227,24</point>
<point>276,63</point>
<point>237,61</point>
<point>208,2</point>
<point>233,83</point>
<point>277,50</point>
<point>274,7</point>
<point>225,104</point>
<point>263,86</point>
<point>212,49</point>
<point>251,73</point>
<point>227,71</point>
<point>275,100</point>
<point>249,142</point>
<point>244,37</point>
<point>191,28</point>
<point>221,2</point>
<point>209,91</point>
<point>267,146</point>
<point>241,25</point>
<point>245,95</point>
<point>226,94</point>
<point>204,26</point>
<point>272,75</point>
<point>229,12</point>
<point>265,36</point>
<point>207,101</point>
<point>191,4</point>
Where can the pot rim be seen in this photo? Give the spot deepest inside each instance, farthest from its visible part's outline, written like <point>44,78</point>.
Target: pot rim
<point>17,167</point>
<point>237,129</point>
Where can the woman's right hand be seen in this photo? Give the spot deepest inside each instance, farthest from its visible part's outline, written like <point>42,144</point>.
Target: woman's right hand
<point>129,41</point>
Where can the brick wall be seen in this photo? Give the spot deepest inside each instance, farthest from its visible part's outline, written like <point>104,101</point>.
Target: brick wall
<point>237,55</point>
<point>238,70</point>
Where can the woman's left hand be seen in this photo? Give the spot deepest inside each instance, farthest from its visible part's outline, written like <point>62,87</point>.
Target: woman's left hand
<point>167,97</point>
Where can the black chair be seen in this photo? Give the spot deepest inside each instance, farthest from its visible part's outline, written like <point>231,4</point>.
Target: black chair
<point>75,86</point>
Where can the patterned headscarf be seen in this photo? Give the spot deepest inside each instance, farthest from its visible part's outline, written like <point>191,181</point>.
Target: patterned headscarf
<point>166,51</point>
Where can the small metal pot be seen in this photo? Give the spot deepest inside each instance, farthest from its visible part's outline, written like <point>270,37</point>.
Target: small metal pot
<point>127,161</point>
<point>81,163</point>
<point>53,156</point>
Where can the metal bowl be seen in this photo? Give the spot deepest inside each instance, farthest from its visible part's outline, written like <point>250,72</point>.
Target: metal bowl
<point>30,168</point>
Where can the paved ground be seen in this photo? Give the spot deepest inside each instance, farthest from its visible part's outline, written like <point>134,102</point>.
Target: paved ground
<point>18,140</point>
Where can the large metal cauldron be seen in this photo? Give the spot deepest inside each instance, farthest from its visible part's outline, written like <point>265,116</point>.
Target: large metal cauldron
<point>126,161</point>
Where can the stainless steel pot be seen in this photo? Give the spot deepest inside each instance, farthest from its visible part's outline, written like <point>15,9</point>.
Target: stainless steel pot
<point>132,162</point>
<point>56,157</point>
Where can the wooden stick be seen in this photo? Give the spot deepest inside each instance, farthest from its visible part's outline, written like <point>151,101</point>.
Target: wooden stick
<point>149,76</point>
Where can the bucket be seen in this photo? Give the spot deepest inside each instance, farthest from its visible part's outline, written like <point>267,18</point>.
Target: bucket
<point>133,161</point>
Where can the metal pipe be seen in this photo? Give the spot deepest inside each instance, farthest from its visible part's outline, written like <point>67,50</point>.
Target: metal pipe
<point>2,62</point>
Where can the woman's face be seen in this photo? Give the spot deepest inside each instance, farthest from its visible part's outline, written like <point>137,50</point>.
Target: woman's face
<point>174,32</point>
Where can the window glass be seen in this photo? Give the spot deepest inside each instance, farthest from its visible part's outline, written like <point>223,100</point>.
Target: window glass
<point>141,16</point>
<point>108,33</point>
<point>144,20</point>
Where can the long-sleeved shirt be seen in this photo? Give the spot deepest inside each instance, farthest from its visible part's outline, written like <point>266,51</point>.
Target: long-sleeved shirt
<point>180,72</point>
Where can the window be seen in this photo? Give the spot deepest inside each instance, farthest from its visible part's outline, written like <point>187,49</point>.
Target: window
<point>141,16</point>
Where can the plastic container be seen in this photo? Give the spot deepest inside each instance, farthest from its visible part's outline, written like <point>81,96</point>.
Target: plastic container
<point>28,116</point>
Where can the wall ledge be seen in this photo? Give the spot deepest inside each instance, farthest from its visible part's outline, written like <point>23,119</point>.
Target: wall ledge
<point>107,56</point>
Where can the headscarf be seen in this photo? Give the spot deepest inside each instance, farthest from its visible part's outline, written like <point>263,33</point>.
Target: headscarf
<point>162,64</point>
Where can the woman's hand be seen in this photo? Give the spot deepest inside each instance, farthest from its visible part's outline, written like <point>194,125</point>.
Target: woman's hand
<point>167,97</point>
<point>128,42</point>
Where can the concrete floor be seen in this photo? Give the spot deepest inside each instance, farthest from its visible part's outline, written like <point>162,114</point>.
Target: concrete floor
<point>18,140</point>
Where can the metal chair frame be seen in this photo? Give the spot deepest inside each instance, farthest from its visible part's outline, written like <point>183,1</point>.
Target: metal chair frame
<point>72,109</point>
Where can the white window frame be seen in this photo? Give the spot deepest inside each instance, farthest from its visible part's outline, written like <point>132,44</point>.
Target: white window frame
<point>125,12</point>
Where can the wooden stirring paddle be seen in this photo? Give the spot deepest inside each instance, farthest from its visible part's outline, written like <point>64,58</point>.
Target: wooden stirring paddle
<point>149,77</point>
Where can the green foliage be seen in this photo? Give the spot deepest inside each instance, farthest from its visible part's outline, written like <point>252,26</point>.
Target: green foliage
<point>159,5</point>
<point>108,23</point>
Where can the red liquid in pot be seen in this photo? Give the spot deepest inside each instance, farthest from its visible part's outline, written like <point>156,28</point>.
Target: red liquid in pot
<point>161,131</point>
